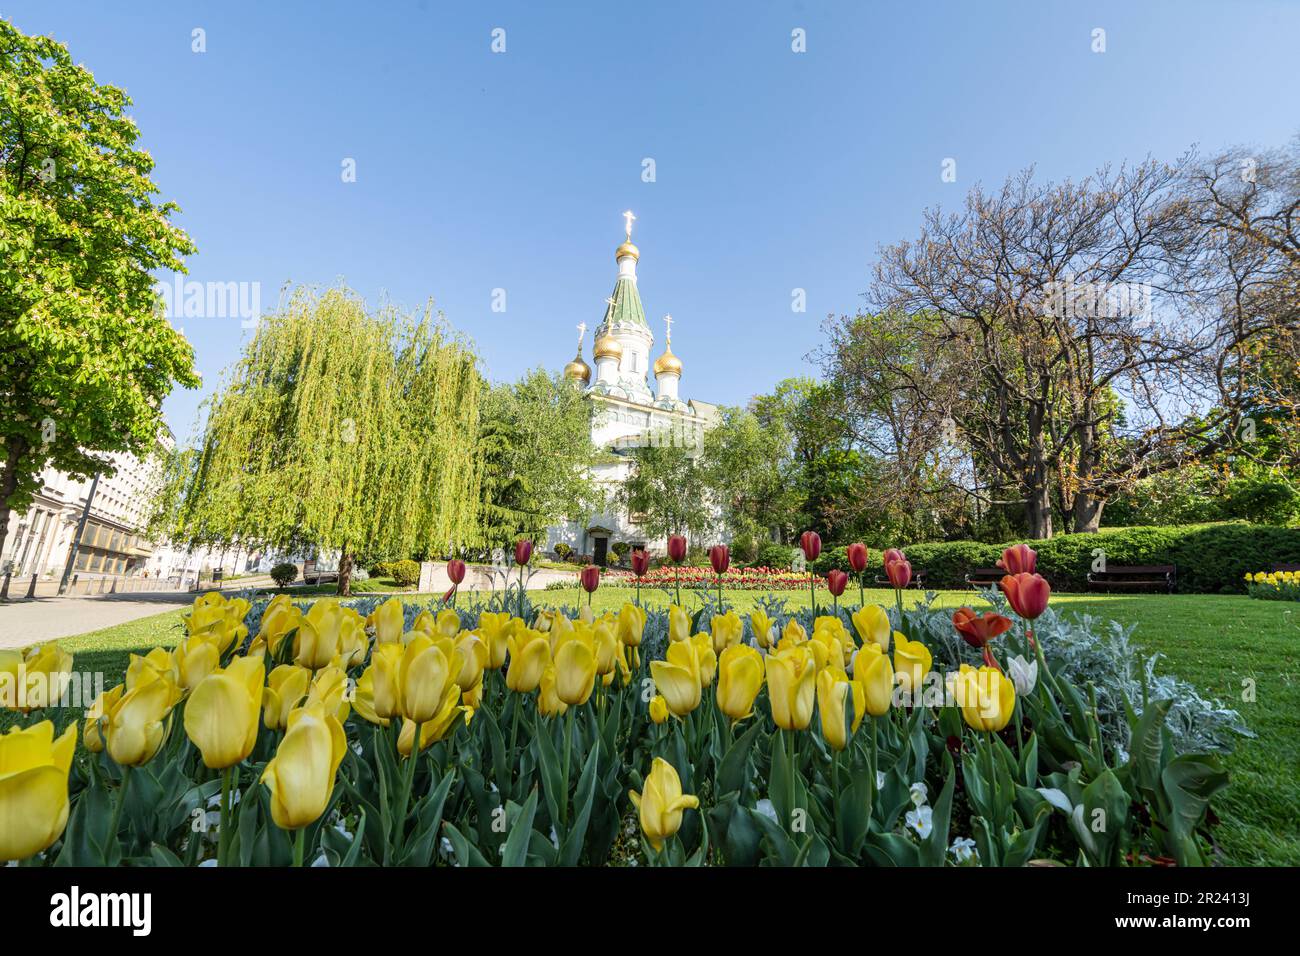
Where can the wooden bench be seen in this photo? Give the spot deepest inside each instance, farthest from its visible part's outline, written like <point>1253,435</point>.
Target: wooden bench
<point>1135,576</point>
<point>918,578</point>
<point>985,577</point>
<point>1285,567</point>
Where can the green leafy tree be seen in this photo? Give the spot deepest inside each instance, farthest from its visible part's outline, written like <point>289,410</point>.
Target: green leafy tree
<point>340,430</point>
<point>749,471</point>
<point>664,491</point>
<point>86,357</point>
<point>536,437</point>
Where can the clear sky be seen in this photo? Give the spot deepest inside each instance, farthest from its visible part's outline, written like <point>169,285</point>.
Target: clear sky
<point>774,170</point>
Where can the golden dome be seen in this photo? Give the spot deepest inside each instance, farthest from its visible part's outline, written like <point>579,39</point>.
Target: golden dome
<point>627,249</point>
<point>668,363</point>
<point>607,347</point>
<point>578,370</point>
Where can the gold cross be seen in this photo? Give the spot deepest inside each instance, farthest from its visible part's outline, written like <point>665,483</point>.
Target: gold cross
<point>582,333</point>
<point>628,217</point>
<point>668,336</point>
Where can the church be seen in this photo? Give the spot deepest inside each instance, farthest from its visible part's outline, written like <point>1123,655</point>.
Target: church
<point>629,413</point>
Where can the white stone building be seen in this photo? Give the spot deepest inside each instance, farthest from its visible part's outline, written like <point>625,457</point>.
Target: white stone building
<point>629,413</point>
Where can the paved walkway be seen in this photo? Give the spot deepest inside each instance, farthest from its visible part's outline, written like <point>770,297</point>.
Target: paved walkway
<point>46,619</point>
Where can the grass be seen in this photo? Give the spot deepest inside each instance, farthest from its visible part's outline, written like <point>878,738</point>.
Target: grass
<point>1244,651</point>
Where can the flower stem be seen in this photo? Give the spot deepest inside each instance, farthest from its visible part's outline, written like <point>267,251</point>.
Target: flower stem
<point>223,835</point>
<point>299,842</point>
<point>121,801</point>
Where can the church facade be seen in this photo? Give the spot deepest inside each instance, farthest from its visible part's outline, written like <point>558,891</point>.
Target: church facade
<point>629,413</point>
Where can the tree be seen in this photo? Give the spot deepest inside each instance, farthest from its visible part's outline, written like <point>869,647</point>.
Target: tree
<point>664,489</point>
<point>747,468</point>
<point>341,429</point>
<point>86,357</point>
<point>536,436</point>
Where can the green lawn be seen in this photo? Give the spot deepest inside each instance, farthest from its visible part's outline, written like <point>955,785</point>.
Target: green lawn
<point>1217,642</point>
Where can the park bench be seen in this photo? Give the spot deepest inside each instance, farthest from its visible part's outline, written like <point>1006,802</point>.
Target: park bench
<point>1135,576</point>
<point>985,577</point>
<point>1277,568</point>
<point>918,579</point>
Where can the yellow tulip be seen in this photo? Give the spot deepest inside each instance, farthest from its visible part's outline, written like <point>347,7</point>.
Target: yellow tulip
<point>987,698</point>
<point>137,724</point>
<point>585,614</point>
<point>912,661</point>
<point>214,616</point>
<point>792,635</point>
<point>791,686</point>
<point>830,646</point>
<point>428,674</point>
<point>631,625</point>
<point>34,679</point>
<point>575,669</point>
<point>195,658</point>
<point>762,626</point>
<point>354,644</point>
<point>677,677</point>
<point>385,682</point>
<point>33,788</point>
<point>530,655</point>
<point>329,688</point>
<point>474,659</point>
<point>443,725</point>
<point>872,624</point>
<point>548,701</point>
<point>279,619</point>
<point>605,640</point>
<point>871,669</point>
<point>319,635</point>
<point>388,621</point>
<point>363,700</point>
<point>156,663</point>
<point>447,623</point>
<point>661,803</point>
<point>91,737</point>
<point>740,678</point>
<point>833,689</point>
<point>705,657</point>
<point>658,709</point>
<point>301,774</point>
<point>286,686</point>
<point>679,624</point>
<point>726,630</point>
<point>495,630</point>
<point>221,717</point>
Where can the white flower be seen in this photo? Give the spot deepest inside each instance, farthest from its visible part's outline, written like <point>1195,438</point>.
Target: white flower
<point>1024,674</point>
<point>445,849</point>
<point>919,794</point>
<point>920,821</point>
<point>963,849</point>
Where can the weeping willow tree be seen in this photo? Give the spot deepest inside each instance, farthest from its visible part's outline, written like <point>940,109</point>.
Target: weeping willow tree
<point>340,430</point>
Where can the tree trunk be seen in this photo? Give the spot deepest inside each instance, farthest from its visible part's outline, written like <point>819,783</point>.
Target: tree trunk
<point>345,574</point>
<point>1087,512</point>
<point>17,447</point>
<point>1038,512</point>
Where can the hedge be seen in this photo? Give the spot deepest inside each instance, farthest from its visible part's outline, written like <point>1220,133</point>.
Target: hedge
<point>1211,558</point>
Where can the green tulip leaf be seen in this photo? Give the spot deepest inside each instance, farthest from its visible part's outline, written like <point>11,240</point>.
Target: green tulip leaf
<point>521,827</point>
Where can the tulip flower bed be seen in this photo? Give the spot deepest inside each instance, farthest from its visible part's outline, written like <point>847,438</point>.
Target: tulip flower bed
<point>704,579</point>
<point>1274,585</point>
<point>501,734</point>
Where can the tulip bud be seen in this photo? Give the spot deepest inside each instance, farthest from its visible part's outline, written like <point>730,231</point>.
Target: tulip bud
<point>221,717</point>
<point>899,573</point>
<point>912,662</point>
<point>1027,594</point>
<point>811,543</point>
<point>658,709</point>
<point>677,677</point>
<point>720,558</point>
<point>137,724</point>
<point>662,802</point>
<point>677,548</point>
<point>523,551</point>
<point>456,570</point>
<point>872,624</point>
<point>833,690</point>
<point>640,562</point>
<point>792,686</point>
<point>740,678</point>
<point>836,581</point>
<point>858,556</point>
<point>301,774</point>
<point>575,668</point>
<point>590,578</point>
<point>1019,559</point>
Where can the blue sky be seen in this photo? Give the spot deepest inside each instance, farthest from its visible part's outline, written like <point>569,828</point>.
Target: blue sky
<point>774,170</point>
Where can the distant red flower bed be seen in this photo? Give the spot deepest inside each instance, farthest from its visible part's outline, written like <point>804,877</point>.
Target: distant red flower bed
<point>736,578</point>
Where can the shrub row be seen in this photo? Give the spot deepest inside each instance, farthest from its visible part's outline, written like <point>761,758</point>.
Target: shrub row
<point>405,574</point>
<point>1211,558</point>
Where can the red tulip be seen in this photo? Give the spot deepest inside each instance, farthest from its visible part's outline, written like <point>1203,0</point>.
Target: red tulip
<point>1026,593</point>
<point>1019,559</point>
<point>978,630</point>
<point>640,561</point>
<point>858,556</point>
<point>590,578</point>
<point>456,570</point>
<point>811,542</point>
<point>677,548</point>
<point>899,573</point>
<point>835,581</point>
<point>892,554</point>
<point>720,558</point>
<point>523,551</point>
